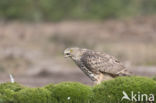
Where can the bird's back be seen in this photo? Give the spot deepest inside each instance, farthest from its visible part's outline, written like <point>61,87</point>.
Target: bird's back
<point>98,62</point>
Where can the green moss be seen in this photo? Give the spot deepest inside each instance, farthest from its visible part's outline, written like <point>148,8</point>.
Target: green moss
<point>111,91</point>
<point>34,95</point>
<point>12,86</point>
<point>71,93</point>
<point>6,96</point>
<point>154,78</point>
<point>8,90</point>
<point>49,87</point>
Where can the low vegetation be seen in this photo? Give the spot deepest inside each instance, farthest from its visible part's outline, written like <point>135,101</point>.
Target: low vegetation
<point>112,91</point>
<point>33,95</point>
<point>54,10</point>
<point>8,91</point>
<point>72,92</point>
<point>68,92</point>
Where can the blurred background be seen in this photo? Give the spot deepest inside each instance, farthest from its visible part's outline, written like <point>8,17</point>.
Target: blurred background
<point>34,34</point>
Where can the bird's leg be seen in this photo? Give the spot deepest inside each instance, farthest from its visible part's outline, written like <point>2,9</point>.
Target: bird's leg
<point>106,77</point>
<point>102,77</point>
<point>99,79</point>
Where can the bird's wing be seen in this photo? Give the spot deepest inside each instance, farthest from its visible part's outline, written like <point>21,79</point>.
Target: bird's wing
<point>100,62</point>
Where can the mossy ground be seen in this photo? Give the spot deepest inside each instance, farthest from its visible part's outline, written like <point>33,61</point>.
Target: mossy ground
<point>8,90</point>
<point>154,78</point>
<point>112,91</point>
<point>33,95</point>
<point>72,92</point>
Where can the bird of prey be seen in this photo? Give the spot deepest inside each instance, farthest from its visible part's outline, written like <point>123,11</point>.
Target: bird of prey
<point>96,65</point>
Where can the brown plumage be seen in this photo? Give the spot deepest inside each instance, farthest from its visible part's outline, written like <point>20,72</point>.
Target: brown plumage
<point>96,65</point>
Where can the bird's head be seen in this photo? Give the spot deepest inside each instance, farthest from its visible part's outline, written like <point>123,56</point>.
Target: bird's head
<point>73,53</point>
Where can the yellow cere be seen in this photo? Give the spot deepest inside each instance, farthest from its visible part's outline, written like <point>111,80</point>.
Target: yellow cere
<point>71,50</point>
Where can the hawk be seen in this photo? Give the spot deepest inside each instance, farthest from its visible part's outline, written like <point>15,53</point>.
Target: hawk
<point>96,65</point>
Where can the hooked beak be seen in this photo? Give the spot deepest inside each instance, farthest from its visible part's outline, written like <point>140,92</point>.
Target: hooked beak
<point>66,56</point>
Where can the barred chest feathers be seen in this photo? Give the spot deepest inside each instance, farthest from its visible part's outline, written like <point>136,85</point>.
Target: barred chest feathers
<point>89,73</point>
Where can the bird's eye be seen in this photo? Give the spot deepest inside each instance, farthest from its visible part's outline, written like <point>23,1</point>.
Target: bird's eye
<point>67,54</point>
